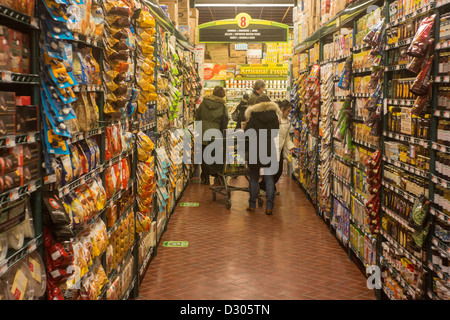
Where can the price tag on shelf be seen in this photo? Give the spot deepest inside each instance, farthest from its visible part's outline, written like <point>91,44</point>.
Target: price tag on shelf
<point>31,138</point>
<point>31,187</point>
<point>14,195</point>
<point>6,76</point>
<point>32,246</point>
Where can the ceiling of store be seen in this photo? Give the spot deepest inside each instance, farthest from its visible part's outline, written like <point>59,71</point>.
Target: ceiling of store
<point>277,14</point>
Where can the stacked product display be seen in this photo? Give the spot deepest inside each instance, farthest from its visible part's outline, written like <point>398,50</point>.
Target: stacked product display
<point>389,188</point>
<point>94,75</point>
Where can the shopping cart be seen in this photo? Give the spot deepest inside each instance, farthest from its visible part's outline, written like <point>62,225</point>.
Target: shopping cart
<point>233,166</point>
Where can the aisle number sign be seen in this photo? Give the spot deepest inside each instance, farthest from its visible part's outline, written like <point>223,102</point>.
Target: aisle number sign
<point>243,29</point>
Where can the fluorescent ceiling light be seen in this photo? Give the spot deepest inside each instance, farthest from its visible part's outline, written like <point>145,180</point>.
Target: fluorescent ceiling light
<point>243,5</point>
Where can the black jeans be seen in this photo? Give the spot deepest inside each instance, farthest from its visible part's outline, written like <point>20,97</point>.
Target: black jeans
<point>276,177</point>
<point>205,169</point>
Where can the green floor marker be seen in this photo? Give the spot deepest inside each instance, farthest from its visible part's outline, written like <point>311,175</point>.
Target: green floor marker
<point>176,244</point>
<point>189,204</point>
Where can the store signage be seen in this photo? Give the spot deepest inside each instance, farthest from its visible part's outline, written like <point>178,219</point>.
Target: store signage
<point>258,71</point>
<point>243,29</point>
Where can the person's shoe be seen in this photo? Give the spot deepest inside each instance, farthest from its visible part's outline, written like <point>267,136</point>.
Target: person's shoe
<point>262,192</point>
<point>269,212</point>
<point>250,209</point>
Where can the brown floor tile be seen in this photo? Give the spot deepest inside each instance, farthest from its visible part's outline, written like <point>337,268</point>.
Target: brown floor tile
<point>234,255</point>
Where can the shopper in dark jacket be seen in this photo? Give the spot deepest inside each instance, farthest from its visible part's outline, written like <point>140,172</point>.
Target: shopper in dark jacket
<point>213,115</point>
<point>258,90</point>
<point>240,111</point>
<point>264,114</point>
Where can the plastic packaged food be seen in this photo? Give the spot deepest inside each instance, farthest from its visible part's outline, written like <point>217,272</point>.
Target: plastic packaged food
<point>3,247</point>
<point>19,282</point>
<point>37,270</point>
<point>418,46</point>
<point>16,237</point>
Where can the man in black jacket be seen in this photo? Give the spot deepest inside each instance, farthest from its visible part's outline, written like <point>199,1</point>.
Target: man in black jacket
<point>258,90</point>
<point>263,117</point>
<point>240,111</point>
<point>213,115</point>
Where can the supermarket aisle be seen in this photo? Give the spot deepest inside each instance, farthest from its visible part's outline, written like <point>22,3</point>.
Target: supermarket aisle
<point>233,254</point>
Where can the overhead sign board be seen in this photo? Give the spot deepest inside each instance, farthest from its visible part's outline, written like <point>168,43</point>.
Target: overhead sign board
<point>242,29</point>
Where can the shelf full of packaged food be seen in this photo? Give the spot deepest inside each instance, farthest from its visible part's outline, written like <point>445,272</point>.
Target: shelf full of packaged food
<point>365,144</point>
<point>361,227</point>
<point>8,77</point>
<point>396,67</point>
<point>7,13</point>
<point>401,102</point>
<point>398,44</point>
<point>442,113</point>
<point>399,247</point>
<point>15,140</point>
<point>127,293</point>
<point>388,292</point>
<point>120,219</point>
<point>433,296</point>
<point>341,200</point>
<point>397,218</point>
<point>444,247</point>
<point>407,167</point>
<point>443,44</point>
<point>362,70</point>
<point>440,215</point>
<point>398,191</point>
<point>444,183</point>
<point>65,190</point>
<point>14,256</point>
<point>441,3</point>
<point>407,138</point>
<point>357,253</point>
<point>117,270</point>
<point>411,290</point>
<point>442,275</point>
<point>411,15</point>
<point>442,79</point>
<point>17,192</point>
<point>146,262</point>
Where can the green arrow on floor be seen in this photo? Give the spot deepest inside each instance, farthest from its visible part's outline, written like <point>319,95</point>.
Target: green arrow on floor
<point>189,204</point>
<point>176,244</point>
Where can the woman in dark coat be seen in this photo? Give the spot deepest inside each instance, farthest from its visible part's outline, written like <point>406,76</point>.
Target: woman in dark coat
<point>263,117</point>
<point>240,111</point>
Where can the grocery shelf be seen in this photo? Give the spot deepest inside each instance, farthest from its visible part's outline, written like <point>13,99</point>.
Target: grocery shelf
<point>127,293</point>
<point>65,190</point>
<point>442,79</point>
<point>10,15</point>
<point>360,47</point>
<point>15,140</point>
<point>440,215</point>
<point>399,247</point>
<point>406,167</point>
<point>444,247</point>
<point>401,102</point>
<point>439,273</point>
<point>120,219</point>
<point>84,135</point>
<point>361,95</point>
<point>444,183</point>
<point>411,289</point>
<point>362,70</point>
<point>339,198</point>
<point>396,67</point>
<point>365,144</point>
<point>397,218</point>
<point>17,192</point>
<point>442,113</point>
<point>409,16</point>
<point>87,88</point>
<point>13,256</point>
<point>8,77</point>
<point>443,45</point>
<point>398,44</point>
<point>404,194</point>
<point>407,138</point>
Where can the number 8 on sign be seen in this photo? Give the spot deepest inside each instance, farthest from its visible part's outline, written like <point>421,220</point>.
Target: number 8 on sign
<point>243,20</point>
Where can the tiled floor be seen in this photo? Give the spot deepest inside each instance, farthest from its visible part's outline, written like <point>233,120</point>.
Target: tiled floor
<point>237,255</point>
